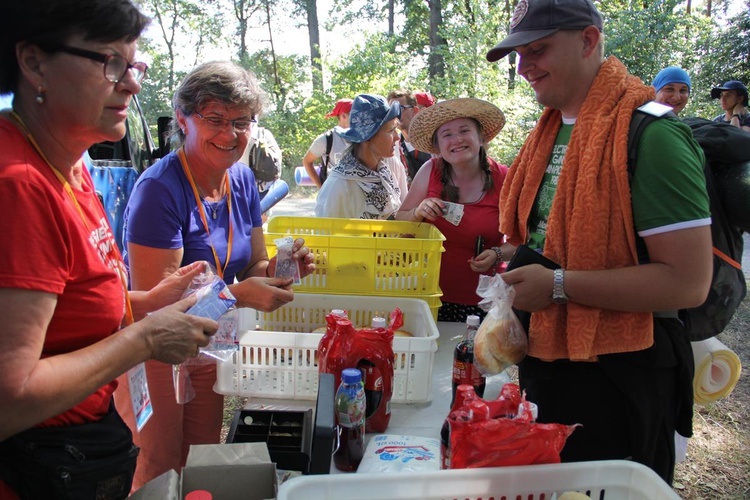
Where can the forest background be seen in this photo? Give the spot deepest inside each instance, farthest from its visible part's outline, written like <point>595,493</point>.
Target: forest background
<point>425,45</point>
<point>374,46</point>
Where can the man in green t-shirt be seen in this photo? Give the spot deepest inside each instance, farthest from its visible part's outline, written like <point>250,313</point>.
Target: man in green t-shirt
<point>606,348</point>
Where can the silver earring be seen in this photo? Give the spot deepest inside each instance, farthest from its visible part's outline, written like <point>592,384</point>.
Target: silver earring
<point>39,99</point>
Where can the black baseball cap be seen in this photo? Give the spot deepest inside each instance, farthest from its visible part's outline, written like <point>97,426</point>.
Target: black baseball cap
<point>730,85</point>
<point>535,19</point>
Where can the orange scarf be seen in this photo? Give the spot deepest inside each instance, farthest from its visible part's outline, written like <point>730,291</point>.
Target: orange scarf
<point>590,222</point>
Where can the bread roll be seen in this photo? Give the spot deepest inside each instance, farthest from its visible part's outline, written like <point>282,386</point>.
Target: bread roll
<point>402,333</point>
<point>573,495</point>
<point>499,343</point>
<point>321,329</point>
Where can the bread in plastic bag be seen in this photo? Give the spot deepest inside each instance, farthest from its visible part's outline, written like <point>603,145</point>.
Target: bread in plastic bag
<point>501,340</point>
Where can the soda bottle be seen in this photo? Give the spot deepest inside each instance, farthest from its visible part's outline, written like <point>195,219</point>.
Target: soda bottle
<point>464,371</point>
<point>464,394</point>
<point>371,377</point>
<point>350,417</point>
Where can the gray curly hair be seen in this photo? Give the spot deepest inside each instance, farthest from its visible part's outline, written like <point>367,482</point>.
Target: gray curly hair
<point>221,81</point>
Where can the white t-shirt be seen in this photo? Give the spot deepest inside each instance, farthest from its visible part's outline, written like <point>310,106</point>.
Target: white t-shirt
<point>343,198</point>
<point>339,145</point>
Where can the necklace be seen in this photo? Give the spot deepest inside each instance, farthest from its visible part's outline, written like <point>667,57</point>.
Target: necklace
<point>188,173</point>
<point>212,205</point>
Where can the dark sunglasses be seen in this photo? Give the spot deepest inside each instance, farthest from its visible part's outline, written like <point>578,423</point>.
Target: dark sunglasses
<point>115,66</point>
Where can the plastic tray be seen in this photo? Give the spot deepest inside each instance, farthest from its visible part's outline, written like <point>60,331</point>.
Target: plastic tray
<point>608,480</point>
<point>278,355</point>
<point>365,257</point>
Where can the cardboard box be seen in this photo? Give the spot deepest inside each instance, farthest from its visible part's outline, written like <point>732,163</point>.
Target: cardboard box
<point>237,471</point>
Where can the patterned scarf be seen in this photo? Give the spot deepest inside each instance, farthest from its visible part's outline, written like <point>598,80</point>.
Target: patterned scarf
<point>592,204</point>
<point>382,194</point>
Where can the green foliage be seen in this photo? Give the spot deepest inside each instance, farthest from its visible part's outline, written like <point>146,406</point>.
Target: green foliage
<point>645,35</point>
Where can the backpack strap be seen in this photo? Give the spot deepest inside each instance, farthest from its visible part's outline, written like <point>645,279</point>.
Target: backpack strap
<point>326,159</point>
<point>642,118</point>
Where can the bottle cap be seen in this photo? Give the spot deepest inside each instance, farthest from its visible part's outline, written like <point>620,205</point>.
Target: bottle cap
<point>472,320</point>
<point>528,409</point>
<point>198,495</point>
<point>378,322</point>
<point>339,312</point>
<point>351,376</point>
<point>479,410</point>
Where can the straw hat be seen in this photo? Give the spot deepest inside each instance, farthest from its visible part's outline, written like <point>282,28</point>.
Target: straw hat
<point>427,121</point>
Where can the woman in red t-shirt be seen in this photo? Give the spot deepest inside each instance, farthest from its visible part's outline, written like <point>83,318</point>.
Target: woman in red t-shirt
<point>68,326</point>
<point>459,192</point>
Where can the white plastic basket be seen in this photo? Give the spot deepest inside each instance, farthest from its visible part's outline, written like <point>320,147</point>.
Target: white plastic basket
<point>609,480</point>
<point>278,355</point>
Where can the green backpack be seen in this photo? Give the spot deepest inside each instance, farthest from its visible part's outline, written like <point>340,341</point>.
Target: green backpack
<point>726,148</point>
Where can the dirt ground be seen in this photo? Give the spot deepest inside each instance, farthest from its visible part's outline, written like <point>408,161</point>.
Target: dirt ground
<point>718,455</point>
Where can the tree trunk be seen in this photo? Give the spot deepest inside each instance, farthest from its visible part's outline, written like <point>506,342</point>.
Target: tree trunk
<point>276,79</point>
<point>688,7</point>
<point>391,17</point>
<point>314,34</point>
<point>512,57</point>
<point>436,61</point>
<point>239,13</point>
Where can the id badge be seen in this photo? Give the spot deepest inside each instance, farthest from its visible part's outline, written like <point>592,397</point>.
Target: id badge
<point>139,397</point>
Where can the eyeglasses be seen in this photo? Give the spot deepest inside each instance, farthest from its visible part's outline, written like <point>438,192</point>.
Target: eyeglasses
<point>115,66</point>
<point>240,125</point>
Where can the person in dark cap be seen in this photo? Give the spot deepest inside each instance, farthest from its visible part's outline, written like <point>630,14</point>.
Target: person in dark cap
<point>368,182</point>
<point>733,98</point>
<point>329,145</point>
<point>606,347</point>
<point>672,85</point>
<point>411,104</point>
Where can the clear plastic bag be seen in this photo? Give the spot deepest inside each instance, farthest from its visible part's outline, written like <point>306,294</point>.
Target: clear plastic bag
<point>215,301</point>
<point>501,340</point>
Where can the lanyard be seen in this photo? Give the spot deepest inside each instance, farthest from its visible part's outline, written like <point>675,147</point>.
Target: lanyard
<point>188,173</point>
<point>129,320</point>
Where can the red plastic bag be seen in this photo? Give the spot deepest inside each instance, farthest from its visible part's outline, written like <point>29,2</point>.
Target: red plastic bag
<point>477,440</point>
<point>370,350</point>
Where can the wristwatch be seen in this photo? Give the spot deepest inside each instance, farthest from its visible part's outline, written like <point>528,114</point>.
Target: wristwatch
<point>558,289</point>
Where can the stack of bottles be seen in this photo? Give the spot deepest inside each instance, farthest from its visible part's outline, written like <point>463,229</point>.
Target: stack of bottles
<point>368,352</point>
<point>500,432</point>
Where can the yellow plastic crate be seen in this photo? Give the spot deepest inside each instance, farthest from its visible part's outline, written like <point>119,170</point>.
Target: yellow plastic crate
<point>365,257</point>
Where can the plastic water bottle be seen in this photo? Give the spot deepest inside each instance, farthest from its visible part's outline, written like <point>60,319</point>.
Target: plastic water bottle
<point>464,371</point>
<point>302,178</point>
<point>350,417</point>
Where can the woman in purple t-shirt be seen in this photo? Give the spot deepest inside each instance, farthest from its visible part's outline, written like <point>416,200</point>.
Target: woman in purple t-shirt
<point>199,203</point>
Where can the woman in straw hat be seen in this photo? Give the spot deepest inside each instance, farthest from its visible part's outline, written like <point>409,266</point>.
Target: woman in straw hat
<point>459,192</point>
<point>368,182</point>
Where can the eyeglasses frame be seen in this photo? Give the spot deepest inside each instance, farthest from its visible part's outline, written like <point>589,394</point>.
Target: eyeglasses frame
<point>104,59</point>
<point>251,121</point>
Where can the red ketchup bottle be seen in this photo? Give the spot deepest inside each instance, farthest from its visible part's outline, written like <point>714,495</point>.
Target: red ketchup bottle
<point>464,371</point>
<point>464,394</point>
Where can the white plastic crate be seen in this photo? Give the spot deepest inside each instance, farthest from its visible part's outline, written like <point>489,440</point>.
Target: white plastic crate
<point>607,480</point>
<point>278,355</point>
